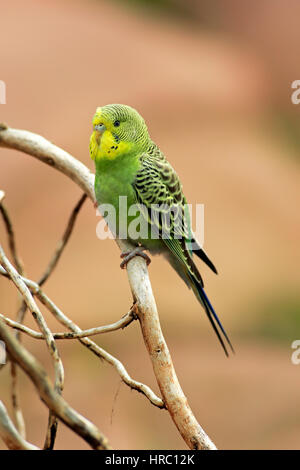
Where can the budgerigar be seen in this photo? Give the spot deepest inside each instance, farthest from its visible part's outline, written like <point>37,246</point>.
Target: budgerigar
<point>128,163</point>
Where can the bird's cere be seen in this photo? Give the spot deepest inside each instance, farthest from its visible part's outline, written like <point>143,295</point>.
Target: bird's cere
<point>100,128</point>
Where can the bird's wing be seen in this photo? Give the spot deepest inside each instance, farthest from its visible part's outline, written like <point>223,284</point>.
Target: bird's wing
<point>161,200</point>
<point>158,191</point>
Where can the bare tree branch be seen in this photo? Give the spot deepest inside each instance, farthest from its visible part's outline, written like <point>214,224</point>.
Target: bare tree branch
<point>18,414</point>
<point>49,394</point>
<point>10,434</point>
<point>13,249</point>
<point>93,347</point>
<point>31,304</point>
<point>19,418</point>
<point>122,323</point>
<point>52,425</point>
<point>146,310</point>
<point>100,353</point>
<point>62,243</point>
<point>11,238</point>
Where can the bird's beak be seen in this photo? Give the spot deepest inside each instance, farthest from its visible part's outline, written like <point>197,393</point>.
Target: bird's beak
<point>99,129</point>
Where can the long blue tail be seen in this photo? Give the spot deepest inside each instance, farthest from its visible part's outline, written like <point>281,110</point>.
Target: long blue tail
<point>212,316</point>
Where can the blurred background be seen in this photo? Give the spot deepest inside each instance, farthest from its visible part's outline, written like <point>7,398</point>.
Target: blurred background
<point>213,81</point>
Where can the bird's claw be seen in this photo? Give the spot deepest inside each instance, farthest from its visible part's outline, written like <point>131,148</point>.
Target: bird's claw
<point>128,255</point>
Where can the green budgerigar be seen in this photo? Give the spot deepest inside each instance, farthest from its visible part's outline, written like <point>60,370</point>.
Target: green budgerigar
<point>129,164</point>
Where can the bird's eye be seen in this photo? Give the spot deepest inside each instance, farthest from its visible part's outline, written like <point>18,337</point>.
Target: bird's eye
<point>116,123</point>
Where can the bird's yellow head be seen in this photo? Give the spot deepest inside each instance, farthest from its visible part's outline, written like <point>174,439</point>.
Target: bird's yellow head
<point>117,130</point>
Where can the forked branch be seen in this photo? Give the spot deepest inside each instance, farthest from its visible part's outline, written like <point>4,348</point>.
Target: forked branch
<point>145,306</point>
<point>49,394</point>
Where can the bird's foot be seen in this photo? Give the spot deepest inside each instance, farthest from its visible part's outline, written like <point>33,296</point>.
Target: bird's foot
<point>128,255</point>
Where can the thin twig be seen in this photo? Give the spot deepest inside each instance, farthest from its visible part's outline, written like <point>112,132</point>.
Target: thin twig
<point>52,424</point>
<point>10,435</point>
<point>99,352</point>
<point>21,313</point>
<point>11,238</point>
<point>62,243</point>
<point>49,394</point>
<point>50,436</point>
<point>18,414</point>
<point>114,401</point>
<point>37,315</point>
<point>122,323</point>
<point>17,260</point>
